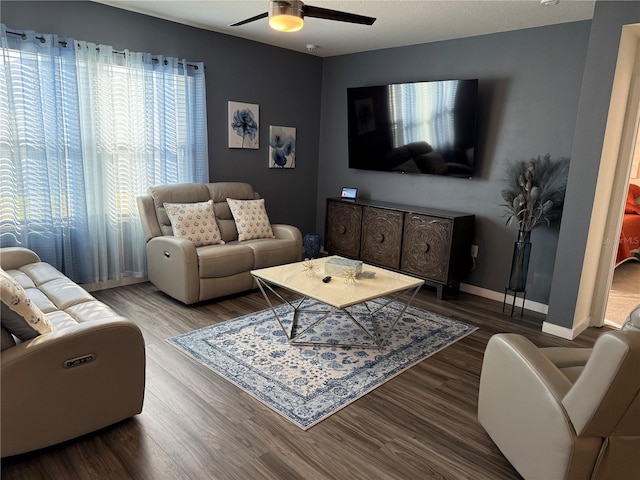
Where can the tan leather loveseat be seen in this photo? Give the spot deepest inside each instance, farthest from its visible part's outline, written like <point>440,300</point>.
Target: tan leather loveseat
<point>85,374</point>
<point>192,274</point>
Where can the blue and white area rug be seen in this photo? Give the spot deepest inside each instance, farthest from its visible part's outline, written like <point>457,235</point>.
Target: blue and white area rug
<point>306,384</point>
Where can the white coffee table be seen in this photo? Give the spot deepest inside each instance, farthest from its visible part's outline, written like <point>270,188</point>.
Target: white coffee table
<point>338,295</point>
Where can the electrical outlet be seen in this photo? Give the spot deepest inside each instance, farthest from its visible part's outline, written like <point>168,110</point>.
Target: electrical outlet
<point>474,251</point>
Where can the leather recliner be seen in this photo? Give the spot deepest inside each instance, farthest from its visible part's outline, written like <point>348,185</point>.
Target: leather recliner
<point>192,274</point>
<point>564,413</point>
<point>85,375</point>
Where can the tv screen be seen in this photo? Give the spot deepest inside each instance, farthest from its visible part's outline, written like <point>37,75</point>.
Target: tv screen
<point>420,127</point>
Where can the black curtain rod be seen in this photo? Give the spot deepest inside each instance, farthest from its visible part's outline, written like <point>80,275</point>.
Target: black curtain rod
<point>65,44</point>
<point>42,40</point>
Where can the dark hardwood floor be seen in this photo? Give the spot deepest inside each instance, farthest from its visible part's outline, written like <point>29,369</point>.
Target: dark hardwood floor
<point>421,424</point>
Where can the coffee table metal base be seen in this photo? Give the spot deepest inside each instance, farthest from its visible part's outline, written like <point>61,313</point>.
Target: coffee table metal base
<point>378,336</point>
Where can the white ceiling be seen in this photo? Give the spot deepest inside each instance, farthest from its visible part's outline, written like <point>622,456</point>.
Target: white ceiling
<point>399,23</point>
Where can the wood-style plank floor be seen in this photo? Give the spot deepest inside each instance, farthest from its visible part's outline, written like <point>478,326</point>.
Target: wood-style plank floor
<point>421,424</point>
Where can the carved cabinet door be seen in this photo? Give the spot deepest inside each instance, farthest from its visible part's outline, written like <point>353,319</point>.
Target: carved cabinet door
<point>425,248</point>
<point>381,237</point>
<point>344,224</point>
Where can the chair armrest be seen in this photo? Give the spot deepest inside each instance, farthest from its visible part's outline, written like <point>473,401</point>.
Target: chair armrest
<point>289,232</point>
<point>515,355</point>
<point>520,406</point>
<point>607,387</point>
<point>12,258</point>
<point>45,402</point>
<point>172,265</point>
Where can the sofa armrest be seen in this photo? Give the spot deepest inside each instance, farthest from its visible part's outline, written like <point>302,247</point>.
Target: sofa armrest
<point>12,258</point>
<point>148,217</point>
<point>172,265</point>
<point>44,401</point>
<point>520,407</point>
<point>289,232</point>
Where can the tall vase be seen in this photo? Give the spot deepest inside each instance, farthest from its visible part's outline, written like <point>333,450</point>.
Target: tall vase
<point>520,262</point>
<point>311,244</point>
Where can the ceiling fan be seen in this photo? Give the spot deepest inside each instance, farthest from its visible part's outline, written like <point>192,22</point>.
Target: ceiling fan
<point>288,16</point>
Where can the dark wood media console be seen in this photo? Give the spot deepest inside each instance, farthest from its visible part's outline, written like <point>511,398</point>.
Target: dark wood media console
<point>431,244</point>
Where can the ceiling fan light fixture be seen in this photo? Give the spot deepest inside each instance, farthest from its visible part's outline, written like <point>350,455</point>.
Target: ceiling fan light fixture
<point>286,16</point>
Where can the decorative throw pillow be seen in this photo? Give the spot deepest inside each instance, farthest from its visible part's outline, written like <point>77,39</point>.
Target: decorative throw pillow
<point>631,206</point>
<point>20,315</point>
<point>251,219</point>
<point>195,222</point>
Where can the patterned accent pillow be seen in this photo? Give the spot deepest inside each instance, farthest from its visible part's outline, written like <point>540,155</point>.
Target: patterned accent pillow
<point>251,219</point>
<point>195,222</point>
<point>20,315</point>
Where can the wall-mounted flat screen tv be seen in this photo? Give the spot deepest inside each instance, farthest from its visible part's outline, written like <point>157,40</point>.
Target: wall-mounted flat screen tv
<point>419,127</point>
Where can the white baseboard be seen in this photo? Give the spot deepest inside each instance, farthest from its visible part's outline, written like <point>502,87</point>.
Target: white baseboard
<point>550,328</point>
<point>499,297</point>
<point>564,332</point>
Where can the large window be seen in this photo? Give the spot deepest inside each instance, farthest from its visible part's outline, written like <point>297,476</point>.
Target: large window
<point>84,130</point>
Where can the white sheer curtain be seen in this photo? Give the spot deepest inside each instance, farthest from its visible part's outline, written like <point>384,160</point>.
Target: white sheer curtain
<point>83,131</point>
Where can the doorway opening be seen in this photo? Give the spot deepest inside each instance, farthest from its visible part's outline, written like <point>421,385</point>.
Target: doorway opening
<point>617,163</point>
<point>624,293</point>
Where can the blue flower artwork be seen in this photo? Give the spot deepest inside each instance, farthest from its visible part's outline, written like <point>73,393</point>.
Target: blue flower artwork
<point>282,147</point>
<point>244,125</point>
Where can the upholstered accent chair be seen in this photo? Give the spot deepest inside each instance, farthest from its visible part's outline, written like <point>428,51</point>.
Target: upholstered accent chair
<point>564,413</point>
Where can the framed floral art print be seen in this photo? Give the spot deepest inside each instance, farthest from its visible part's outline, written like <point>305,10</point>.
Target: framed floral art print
<point>282,147</point>
<point>244,125</point>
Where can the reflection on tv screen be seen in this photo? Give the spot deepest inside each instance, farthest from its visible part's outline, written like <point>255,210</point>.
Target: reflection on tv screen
<point>422,127</point>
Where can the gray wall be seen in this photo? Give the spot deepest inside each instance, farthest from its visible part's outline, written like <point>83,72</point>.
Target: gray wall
<point>537,97</point>
<point>284,83</point>
<point>529,93</point>
<point>604,39</point>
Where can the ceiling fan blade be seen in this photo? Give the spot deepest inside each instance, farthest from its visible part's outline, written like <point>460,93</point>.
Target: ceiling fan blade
<point>328,14</point>
<point>249,20</point>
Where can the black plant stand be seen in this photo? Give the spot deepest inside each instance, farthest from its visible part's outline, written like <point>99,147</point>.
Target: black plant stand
<point>515,296</point>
